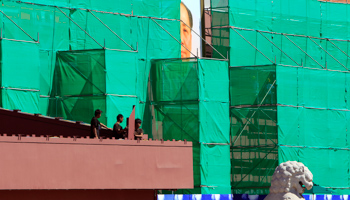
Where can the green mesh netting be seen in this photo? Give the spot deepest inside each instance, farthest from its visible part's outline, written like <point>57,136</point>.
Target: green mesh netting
<point>155,8</point>
<point>72,27</point>
<point>253,114</point>
<point>250,33</point>
<point>318,128</point>
<point>98,79</point>
<point>281,113</point>
<point>297,109</point>
<point>20,78</point>
<point>189,100</point>
<point>312,17</point>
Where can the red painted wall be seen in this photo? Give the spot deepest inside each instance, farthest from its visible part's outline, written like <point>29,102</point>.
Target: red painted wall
<point>78,195</point>
<point>35,163</point>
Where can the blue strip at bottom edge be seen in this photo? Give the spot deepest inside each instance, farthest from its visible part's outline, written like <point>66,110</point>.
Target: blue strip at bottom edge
<point>242,197</point>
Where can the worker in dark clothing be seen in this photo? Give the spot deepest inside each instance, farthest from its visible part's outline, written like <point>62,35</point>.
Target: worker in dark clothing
<point>138,131</point>
<point>96,125</point>
<point>118,130</point>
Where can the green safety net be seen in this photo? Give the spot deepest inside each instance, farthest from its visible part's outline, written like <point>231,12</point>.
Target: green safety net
<point>19,77</point>
<point>281,113</point>
<point>330,167</point>
<point>53,29</point>
<point>189,100</point>
<point>263,48</point>
<point>311,17</point>
<point>319,125</point>
<point>26,101</point>
<point>250,33</point>
<point>19,73</point>
<point>51,25</point>
<point>154,8</point>
<point>70,26</point>
<point>96,72</point>
<point>215,169</point>
<point>98,79</point>
<point>288,88</point>
<point>253,115</point>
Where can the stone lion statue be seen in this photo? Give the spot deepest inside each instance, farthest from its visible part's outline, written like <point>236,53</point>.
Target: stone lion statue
<point>289,181</point>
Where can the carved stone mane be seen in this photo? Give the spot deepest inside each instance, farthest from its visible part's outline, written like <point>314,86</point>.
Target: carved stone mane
<point>289,181</point>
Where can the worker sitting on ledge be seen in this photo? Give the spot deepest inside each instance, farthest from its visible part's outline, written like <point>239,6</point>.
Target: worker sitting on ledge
<point>138,131</point>
<point>118,130</point>
<point>96,125</point>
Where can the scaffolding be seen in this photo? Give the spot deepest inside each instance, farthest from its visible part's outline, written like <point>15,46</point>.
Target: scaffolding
<point>282,113</point>
<point>189,101</point>
<point>84,81</point>
<point>287,80</point>
<point>98,55</point>
<point>71,33</point>
<point>313,35</point>
<point>20,92</point>
<point>289,66</point>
